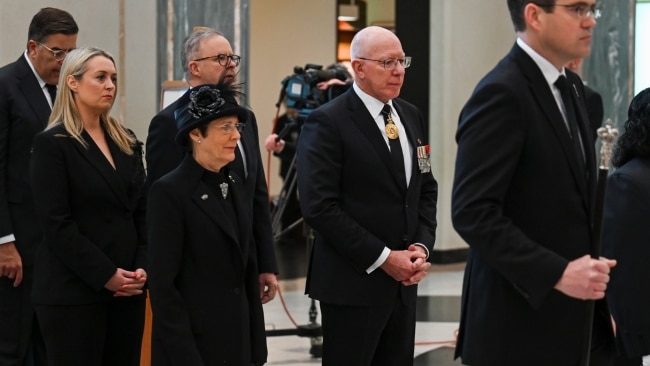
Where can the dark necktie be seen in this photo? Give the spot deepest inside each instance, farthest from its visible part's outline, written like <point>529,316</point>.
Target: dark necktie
<point>563,85</point>
<point>396,155</point>
<point>52,90</point>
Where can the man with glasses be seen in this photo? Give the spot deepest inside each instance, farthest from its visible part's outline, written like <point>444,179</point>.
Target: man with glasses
<point>207,58</point>
<point>26,97</point>
<point>366,188</point>
<point>523,199</point>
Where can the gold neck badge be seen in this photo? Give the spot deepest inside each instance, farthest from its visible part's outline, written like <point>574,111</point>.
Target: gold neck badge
<point>391,128</point>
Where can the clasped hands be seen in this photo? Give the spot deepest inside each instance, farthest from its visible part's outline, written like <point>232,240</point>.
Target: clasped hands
<point>127,283</point>
<point>407,266</point>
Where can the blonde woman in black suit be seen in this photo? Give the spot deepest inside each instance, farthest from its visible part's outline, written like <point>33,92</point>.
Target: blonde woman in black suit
<point>87,176</point>
<point>203,270</point>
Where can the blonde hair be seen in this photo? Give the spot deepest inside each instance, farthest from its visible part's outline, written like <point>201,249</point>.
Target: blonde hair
<point>65,110</point>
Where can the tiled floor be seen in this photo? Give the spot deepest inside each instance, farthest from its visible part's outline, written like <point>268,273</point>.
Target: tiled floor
<point>437,319</point>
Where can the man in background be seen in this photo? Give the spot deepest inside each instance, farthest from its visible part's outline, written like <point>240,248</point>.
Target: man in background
<point>28,91</point>
<point>207,58</point>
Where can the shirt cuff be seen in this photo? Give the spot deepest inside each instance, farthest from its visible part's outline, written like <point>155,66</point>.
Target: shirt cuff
<point>425,248</point>
<point>382,258</point>
<point>7,239</point>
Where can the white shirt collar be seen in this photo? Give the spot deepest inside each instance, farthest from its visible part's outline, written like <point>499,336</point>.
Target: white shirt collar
<point>550,72</point>
<point>373,104</point>
<point>41,82</point>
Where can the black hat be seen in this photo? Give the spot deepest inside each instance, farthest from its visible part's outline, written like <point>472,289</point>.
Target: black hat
<point>202,105</point>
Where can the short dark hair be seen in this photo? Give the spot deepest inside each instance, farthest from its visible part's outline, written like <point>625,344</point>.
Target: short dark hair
<point>635,141</point>
<point>516,8</point>
<point>50,21</point>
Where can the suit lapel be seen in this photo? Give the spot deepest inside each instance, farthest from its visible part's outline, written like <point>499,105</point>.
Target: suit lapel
<point>542,93</point>
<point>97,159</point>
<point>243,217</point>
<point>414,139</point>
<point>33,94</point>
<point>366,123</point>
<point>210,205</point>
<point>585,132</point>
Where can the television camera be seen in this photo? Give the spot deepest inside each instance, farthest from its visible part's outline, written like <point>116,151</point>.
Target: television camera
<point>301,91</point>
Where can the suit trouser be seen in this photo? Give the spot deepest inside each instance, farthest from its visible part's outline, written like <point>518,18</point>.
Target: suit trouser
<point>100,334</point>
<point>378,335</point>
<point>21,343</point>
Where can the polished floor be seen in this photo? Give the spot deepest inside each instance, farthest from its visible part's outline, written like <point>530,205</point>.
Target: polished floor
<point>437,318</point>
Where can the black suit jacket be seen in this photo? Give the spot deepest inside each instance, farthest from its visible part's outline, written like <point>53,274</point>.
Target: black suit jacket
<point>203,275</point>
<point>93,217</point>
<point>625,238</point>
<point>163,155</point>
<point>523,201</point>
<point>350,195</point>
<point>24,112</point>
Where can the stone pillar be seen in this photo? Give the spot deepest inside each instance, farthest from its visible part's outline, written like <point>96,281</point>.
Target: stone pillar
<point>610,68</point>
<point>178,18</point>
<point>466,39</point>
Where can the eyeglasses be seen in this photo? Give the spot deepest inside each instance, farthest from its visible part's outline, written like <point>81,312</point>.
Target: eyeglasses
<point>59,55</point>
<point>391,63</point>
<point>582,11</point>
<point>223,60</point>
<point>229,128</point>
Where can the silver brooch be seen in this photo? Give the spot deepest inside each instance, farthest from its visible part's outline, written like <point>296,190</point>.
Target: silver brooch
<point>224,189</point>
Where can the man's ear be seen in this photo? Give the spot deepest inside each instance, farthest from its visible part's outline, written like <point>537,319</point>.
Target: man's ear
<point>533,16</point>
<point>31,48</point>
<point>193,68</point>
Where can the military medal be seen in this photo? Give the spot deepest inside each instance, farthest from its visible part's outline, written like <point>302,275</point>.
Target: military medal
<point>224,189</point>
<point>391,128</point>
<point>423,153</point>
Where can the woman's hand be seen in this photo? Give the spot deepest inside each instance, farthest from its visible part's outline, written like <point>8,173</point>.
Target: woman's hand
<point>127,283</point>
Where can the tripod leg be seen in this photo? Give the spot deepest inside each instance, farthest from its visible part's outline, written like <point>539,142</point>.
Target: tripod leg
<point>316,349</point>
<point>288,189</point>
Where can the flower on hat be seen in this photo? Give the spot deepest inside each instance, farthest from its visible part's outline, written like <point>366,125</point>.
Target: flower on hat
<point>205,101</point>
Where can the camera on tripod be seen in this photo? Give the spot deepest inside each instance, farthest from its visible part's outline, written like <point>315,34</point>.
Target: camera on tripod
<point>301,88</point>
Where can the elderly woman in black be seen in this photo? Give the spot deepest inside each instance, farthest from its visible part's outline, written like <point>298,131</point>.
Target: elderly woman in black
<point>202,267</point>
<point>626,234</point>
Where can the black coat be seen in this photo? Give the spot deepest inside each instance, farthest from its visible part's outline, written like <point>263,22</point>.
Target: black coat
<point>203,274</point>
<point>163,155</point>
<point>93,217</point>
<point>523,201</point>
<point>24,112</point>
<point>626,239</point>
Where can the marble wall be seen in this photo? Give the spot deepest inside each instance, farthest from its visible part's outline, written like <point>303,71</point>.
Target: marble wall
<point>610,67</point>
<point>178,18</point>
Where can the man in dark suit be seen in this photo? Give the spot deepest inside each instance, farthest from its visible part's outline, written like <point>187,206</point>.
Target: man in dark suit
<point>523,199</point>
<point>207,58</point>
<point>366,188</point>
<point>594,101</point>
<point>25,106</point>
